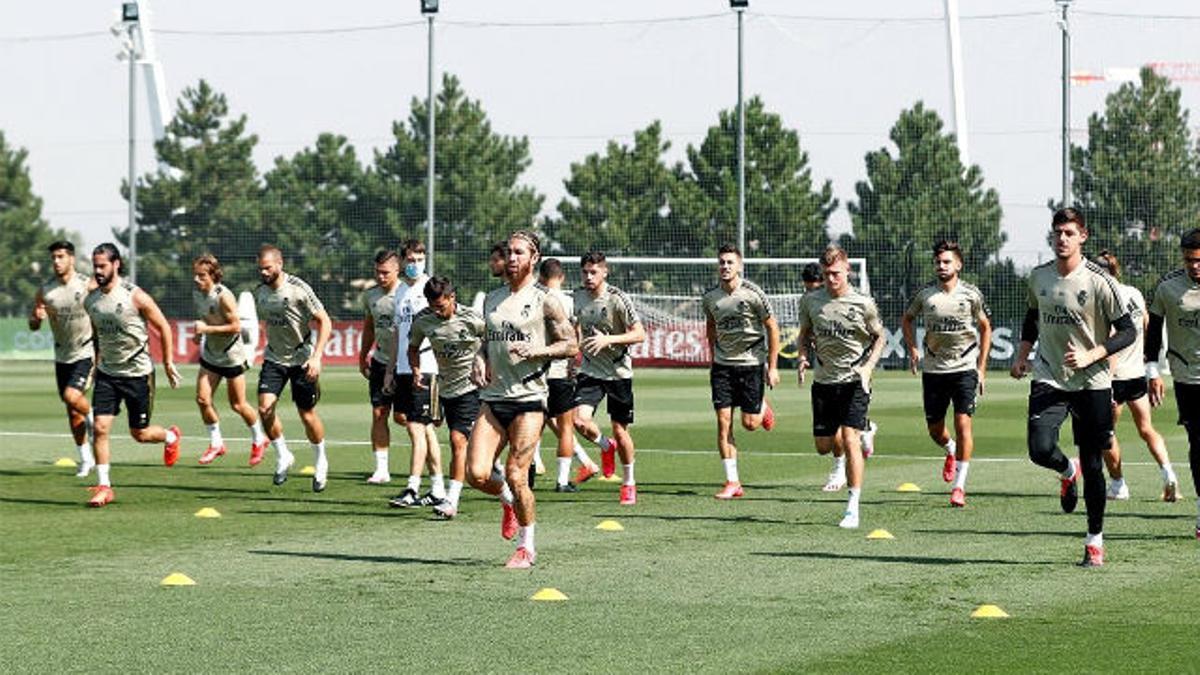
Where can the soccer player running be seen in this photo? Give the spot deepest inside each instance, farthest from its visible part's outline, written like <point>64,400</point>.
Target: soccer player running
<point>119,312</point>
<point>454,333</point>
<point>60,300</point>
<point>1074,307</point>
<point>955,364</point>
<point>376,349</point>
<point>526,328</point>
<point>561,402</point>
<point>415,397</point>
<point>1176,306</point>
<point>289,307</point>
<point>844,329</point>
<point>744,338</point>
<point>606,326</point>
<point>222,356</point>
<point>1130,390</point>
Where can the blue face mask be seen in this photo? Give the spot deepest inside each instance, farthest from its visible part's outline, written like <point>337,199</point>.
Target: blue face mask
<point>413,270</point>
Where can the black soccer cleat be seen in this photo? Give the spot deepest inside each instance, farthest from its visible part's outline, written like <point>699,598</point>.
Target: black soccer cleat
<point>566,487</point>
<point>280,478</point>
<point>1068,495</point>
<point>405,500</point>
<point>318,485</point>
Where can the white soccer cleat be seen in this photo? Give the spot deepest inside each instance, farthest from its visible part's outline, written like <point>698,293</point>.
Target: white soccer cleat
<point>380,478</point>
<point>84,469</point>
<point>849,520</point>
<point>835,481</point>
<point>282,465</point>
<point>1118,491</point>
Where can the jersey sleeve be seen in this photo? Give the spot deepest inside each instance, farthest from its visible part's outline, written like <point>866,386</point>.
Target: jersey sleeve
<point>762,305</point>
<point>1158,300</point>
<point>980,309</point>
<point>366,304</point>
<point>1108,299</point>
<point>871,318</point>
<point>707,307</point>
<point>1031,300</point>
<point>312,302</point>
<point>416,332</point>
<point>628,313</point>
<point>805,319</point>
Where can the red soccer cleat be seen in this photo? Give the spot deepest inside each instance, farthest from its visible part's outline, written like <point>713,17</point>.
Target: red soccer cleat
<point>256,452</point>
<point>508,521</point>
<point>732,490</point>
<point>171,450</point>
<point>101,495</point>
<point>522,559</point>
<point>584,474</point>
<point>948,468</point>
<point>628,495</point>
<point>768,418</point>
<point>212,453</point>
<point>958,497</point>
<point>608,459</point>
<point>1093,556</point>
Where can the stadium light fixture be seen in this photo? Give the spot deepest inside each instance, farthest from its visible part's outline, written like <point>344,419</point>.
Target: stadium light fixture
<point>739,4</point>
<point>429,6</point>
<point>129,12</point>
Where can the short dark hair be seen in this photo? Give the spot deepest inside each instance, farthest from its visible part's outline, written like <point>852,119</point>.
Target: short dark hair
<point>270,249</point>
<point>811,273</point>
<point>1190,239</point>
<point>948,245</point>
<point>386,255</point>
<point>1108,262</point>
<point>62,245</point>
<point>438,287</point>
<point>593,257</point>
<point>500,247</point>
<point>833,253</point>
<point>729,248</point>
<point>412,246</point>
<point>110,251</point>
<point>1068,215</point>
<point>551,268</point>
<point>209,262</point>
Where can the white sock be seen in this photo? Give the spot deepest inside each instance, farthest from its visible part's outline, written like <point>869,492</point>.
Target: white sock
<point>951,447</point>
<point>91,420</point>
<point>256,432</point>
<point>731,472</point>
<point>102,474</point>
<point>85,453</point>
<point>381,461</point>
<point>506,494</point>
<point>960,474</point>
<point>852,502</point>
<point>1096,540</point>
<point>537,454</point>
<point>582,456</point>
<point>564,470</point>
<point>414,482</point>
<point>171,437</point>
<point>1117,484</point>
<point>281,448</point>
<point>497,472</point>
<point>437,486</point>
<point>602,441</point>
<point>453,493</point>
<point>1168,473</point>
<point>627,469</point>
<point>839,465</point>
<point>320,461</point>
<point>1070,472</point>
<point>215,440</point>
<point>525,537</point>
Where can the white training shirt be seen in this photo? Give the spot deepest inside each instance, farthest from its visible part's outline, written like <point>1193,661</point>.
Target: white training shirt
<point>409,301</point>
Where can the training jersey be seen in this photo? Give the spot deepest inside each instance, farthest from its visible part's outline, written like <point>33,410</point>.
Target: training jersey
<point>560,368</point>
<point>950,317</point>
<point>516,317</point>
<point>738,316</point>
<point>843,329</point>
<point>1078,311</point>
<point>69,321</point>
<point>1130,363</point>
<point>1177,300</point>
<point>409,301</point>
<point>379,307</point>
<point>220,349</point>
<point>454,342</point>
<point>287,311</point>
<point>611,312</point>
<point>122,341</point>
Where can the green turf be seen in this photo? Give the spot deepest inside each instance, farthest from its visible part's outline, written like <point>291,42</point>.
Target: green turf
<point>292,581</point>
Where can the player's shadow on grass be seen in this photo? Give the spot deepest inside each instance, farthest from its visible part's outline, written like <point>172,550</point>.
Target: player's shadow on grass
<point>383,559</point>
<point>902,559</point>
<point>394,513</point>
<point>719,519</point>
<point>40,502</point>
<point>189,488</point>
<point>1149,516</point>
<point>1074,534</point>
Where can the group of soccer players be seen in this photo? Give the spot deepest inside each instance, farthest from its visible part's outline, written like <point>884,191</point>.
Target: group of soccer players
<point>498,378</point>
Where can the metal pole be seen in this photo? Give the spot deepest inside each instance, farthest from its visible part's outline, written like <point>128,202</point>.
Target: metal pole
<point>429,188</point>
<point>133,227</point>
<point>954,46</point>
<point>741,144</point>
<point>1066,102</point>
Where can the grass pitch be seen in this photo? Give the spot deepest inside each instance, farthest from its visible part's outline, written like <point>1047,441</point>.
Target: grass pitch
<point>338,582</point>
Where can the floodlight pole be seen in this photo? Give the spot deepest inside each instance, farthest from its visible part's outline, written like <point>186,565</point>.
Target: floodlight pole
<point>430,178</point>
<point>1065,25</point>
<point>741,137</point>
<point>131,54</point>
<point>954,46</point>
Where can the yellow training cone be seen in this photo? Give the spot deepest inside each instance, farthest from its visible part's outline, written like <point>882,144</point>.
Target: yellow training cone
<point>908,487</point>
<point>989,612</point>
<point>177,579</point>
<point>65,463</point>
<point>610,526</point>
<point>208,512</point>
<point>880,534</point>
<point>549,594</point>
<point>308,470</point>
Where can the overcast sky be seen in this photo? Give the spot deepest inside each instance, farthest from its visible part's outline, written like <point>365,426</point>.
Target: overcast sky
<point>839,72</point>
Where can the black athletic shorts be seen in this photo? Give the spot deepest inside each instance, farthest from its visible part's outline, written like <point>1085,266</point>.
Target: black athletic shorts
<point>1187,399</point>
<point>939,389</point>
<point>415,404</point>
<point>75,375</point>
<point>737,387</point>
<point>1090,409</point>
<point>839,405</point>
<point>561,397</point>
<point>379,399</point>
<point>137,393</point>
<point>590,391</point>
<point>460,412</point>
<point>274,376</point>
<point>1132,389</point>
<point>507,411</point>
<point>227,372</point>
